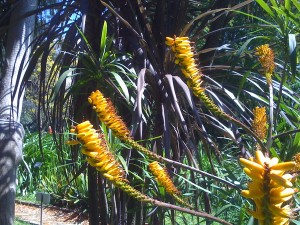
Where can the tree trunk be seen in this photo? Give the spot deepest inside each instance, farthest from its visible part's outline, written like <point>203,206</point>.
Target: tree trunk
<point>11,131</point>
<point>11,135</point>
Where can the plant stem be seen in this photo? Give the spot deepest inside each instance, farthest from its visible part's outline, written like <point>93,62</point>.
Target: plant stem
<point>190,211</point>
<point>161,159</point>
<point>271,118</point>
<point>286,133</point>
<point>131,191</point>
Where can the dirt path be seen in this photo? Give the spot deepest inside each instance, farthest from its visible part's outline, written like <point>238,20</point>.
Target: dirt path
<point>51,215</point>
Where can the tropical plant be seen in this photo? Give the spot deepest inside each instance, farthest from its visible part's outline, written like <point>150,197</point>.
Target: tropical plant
<point>192,102</point>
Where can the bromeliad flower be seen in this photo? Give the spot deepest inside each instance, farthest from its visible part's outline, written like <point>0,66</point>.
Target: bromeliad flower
<point>270,189</point>
<point>95,147</point>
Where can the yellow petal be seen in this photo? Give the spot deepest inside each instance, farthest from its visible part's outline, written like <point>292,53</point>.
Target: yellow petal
<point>72,142</point>
<point>280,180</point>
<point>278,211</point>
<point>282,192</point>
<point>260,158</point>
<point>252,194</point>
<point>251,165</point>
<point>253,175</point>
<point>284,166</point>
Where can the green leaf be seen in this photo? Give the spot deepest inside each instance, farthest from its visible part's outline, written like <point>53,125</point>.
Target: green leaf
<point>287,4</point>
<point>242,83</point>
<point>123,86</point>
<point>296,4</point>
<point>103,38</point>
<point>60,81</point>
<point>195,185</point>
<point>296,142</point>
<point>265,6</point>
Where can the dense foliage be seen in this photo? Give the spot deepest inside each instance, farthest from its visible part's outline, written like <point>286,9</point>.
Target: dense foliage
<point>201,125</point>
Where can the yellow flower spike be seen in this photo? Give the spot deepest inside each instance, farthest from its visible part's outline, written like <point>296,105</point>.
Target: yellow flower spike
<point>259,123</point>
<point>270,189</point>
<point>95,147</point>
<point>108,115</point>
<point>266,58</point>
<point>163,177</point>
<point>296,158</point>
<point>185,59</point>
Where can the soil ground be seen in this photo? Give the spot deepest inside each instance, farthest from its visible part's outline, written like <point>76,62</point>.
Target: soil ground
<point>51,215</point>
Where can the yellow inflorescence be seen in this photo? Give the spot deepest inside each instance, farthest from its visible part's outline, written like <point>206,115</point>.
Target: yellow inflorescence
<point>266,58</point>
<point>296,158</point>
<point>95,147</point>
<point>259,123</point>
<point>184,55</point>
<point>270,189</point>
<point>163,178</point>
<point>108,115</point>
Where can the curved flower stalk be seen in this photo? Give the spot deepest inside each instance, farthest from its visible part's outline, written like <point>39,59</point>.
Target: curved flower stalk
<point>99,156</point>
<point>271,188</point>
<point>163,178</point>
<point>107,114</point>
<point>184,57</point>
